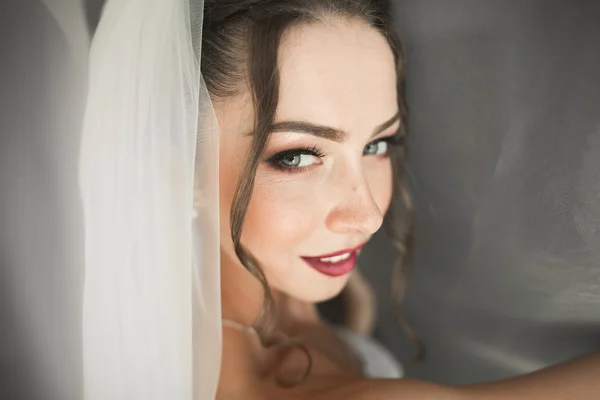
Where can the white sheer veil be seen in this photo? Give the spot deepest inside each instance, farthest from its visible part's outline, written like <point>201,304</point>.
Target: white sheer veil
<point>149,185</point>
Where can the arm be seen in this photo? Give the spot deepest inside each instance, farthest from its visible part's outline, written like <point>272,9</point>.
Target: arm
<point>340,388</point>
<point>576,380</point>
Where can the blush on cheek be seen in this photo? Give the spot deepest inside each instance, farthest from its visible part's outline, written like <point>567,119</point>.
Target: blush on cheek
<point>386,193</point>
<point>276,226</point>
<point>229,175</point>
<point>380,183</point>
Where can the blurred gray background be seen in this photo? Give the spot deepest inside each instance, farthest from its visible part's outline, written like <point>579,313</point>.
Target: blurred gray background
<point>504,124</point>
<point>504,101</point>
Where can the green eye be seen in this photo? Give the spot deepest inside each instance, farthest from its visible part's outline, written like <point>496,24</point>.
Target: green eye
<point>297,160</point>
<point>379,147</point>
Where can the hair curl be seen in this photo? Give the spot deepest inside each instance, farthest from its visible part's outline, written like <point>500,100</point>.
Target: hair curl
<point>240,48</point>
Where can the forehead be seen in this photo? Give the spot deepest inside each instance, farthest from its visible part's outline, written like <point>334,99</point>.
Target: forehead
<point>340,74</point>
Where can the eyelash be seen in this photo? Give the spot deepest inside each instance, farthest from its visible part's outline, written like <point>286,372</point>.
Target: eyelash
<point>395,140</point>
<point>275,161</point>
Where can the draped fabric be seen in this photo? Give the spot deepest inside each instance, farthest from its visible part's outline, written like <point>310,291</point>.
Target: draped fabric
<point>504,165</point>
<point>151,306</point>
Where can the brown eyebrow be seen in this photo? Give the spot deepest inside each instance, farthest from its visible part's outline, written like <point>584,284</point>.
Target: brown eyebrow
<point>386,124</point>
<point>326,132</point>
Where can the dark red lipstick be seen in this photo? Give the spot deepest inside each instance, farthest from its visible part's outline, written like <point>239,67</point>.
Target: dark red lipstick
<point>335,267</point>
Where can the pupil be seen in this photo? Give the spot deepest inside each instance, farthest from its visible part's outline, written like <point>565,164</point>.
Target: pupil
<point>293,160</point>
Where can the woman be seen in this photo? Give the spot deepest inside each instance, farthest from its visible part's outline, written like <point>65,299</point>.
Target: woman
<point>308,98</point>
<point>318,85</point>
<point>330,120</point>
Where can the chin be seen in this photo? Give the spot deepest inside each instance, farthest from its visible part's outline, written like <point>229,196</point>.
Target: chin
<point>317,292</point>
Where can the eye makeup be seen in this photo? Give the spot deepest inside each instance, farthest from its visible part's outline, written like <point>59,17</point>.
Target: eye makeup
<point>395,140</point>
<point>291,160</point>
<point>300,159</point>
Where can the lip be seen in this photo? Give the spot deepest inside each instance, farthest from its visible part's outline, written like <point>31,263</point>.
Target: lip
<point>339,268</point>
<point>337,253</point>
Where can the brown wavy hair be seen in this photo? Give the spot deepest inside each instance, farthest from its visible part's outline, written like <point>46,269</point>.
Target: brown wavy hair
<point>240,47</point>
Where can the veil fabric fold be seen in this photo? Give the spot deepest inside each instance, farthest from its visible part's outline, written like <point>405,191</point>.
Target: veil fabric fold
<point>151,311</point>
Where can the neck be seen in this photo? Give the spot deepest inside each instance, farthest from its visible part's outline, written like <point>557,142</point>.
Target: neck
<point>242,297</point>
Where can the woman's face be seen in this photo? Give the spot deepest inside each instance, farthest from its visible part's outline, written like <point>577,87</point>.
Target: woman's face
<point>324,181</point>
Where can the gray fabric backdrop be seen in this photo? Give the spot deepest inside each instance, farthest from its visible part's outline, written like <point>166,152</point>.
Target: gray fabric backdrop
<point>504,100</point>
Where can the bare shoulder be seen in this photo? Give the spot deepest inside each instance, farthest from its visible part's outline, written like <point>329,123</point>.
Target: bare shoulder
<point>331,388</point>
<point>239,380</point>
<point>238,376</point>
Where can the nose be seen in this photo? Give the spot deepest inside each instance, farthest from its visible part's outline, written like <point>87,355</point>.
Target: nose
<point>355,210</point>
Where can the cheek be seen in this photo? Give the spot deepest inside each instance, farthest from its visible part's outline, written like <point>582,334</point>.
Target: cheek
<point>227,182</point>
<point>279,219</point>
<point>230,168</point>
<point>282,220</point>
<point>380,177</point>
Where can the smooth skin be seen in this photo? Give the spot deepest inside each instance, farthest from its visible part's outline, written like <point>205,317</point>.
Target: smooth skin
<point>314,196</point>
